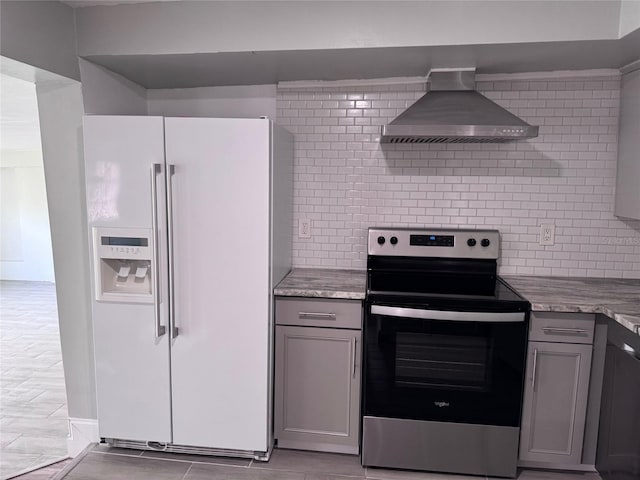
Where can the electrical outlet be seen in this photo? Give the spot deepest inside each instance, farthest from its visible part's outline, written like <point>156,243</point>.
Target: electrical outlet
<point>547,234</point>
<point>304,228</point>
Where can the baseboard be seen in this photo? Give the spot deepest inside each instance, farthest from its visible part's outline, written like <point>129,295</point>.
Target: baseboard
<point>583,467</point>
<point>82,432</point>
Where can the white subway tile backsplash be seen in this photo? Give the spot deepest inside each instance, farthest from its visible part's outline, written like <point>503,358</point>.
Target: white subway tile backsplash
<point>346,181</point>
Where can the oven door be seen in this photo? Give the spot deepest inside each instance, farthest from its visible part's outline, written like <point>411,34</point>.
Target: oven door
<point>449,365</point>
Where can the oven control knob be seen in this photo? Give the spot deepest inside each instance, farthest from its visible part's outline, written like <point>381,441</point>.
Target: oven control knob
<point>471,242</point>
<point>393,240</point>
<point>485,242</point>
<point>381,240</point>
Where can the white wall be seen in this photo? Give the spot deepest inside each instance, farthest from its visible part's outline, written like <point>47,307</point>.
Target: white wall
<point>60,106</point>
<point>346,181</point>
<point>227,102</point>
<point>204,27</point>
<point>629,17</point>
<point>11,237</point>
<point>26,239</point>
<point>107,93</point>
<point>40,33</point>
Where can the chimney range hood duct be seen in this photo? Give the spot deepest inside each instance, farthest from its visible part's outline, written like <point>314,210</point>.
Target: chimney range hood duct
<point>453,112</point>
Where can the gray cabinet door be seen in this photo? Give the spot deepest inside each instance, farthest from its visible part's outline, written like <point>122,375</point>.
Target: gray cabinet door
<point>555,402</point>
<point>317,390</point>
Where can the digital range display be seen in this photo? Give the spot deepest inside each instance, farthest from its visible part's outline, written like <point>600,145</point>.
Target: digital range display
<point>125,241</point>
<point>431,240</point>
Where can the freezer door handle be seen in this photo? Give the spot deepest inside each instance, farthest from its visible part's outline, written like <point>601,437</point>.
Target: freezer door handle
<point>160,330</point>
<point>172,297</point>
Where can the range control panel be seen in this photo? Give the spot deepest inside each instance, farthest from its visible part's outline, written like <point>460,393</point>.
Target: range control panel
<point>431,240</point>
<point>434,242</point>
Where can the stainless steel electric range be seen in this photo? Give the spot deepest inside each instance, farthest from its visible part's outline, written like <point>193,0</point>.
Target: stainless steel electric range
<point>444,353</point>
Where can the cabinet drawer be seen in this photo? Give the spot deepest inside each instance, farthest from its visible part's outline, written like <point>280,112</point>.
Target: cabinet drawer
<point>319,312</point>
<point>562,327</point>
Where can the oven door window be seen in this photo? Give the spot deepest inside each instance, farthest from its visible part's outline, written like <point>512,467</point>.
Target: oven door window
<point>453,371</point>
<point>449,362</point>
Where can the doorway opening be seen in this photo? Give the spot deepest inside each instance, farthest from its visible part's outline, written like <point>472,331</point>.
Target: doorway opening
<point>34,422</point>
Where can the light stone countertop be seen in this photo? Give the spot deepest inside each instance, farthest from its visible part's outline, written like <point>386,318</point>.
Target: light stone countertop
<point>323,283</point>
<point>616,298</point>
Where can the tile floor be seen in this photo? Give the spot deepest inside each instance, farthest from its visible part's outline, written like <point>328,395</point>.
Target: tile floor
<point>105,463</point>
<point>33,403</point>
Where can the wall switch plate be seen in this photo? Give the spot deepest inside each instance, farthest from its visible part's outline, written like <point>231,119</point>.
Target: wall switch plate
<point>547,234</point>
<point>304,228</point>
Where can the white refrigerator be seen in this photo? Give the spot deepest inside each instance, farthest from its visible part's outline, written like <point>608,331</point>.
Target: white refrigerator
<point>190,226</point>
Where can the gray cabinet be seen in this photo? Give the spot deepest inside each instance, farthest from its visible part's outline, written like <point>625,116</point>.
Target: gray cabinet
<point>628,174</point>
<point>619,440</point>
<point>317,374</point>
<point>556,390</point>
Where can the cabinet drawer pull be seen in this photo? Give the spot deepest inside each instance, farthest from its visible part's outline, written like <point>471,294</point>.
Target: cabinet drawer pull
<point>563,330</point>
<point>317,316</point>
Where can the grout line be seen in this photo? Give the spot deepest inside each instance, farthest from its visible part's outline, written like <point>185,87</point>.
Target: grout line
<point>306,472</point>
<point>187,472</point>
<point>8,444</point>
<point>179,460</point>
<point>210,463</point>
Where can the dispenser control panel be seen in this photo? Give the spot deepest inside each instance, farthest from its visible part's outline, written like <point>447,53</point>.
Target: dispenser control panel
<point>123,264</point>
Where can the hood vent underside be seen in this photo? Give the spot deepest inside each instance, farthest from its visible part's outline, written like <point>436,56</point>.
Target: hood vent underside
<point>443,140</point>
<point>452,112</point>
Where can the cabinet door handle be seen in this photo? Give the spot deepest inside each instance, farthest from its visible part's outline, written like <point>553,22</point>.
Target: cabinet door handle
<point>317,316</point>
<point>353,345</point>
<point>577,331</point>
<point>533,374</point>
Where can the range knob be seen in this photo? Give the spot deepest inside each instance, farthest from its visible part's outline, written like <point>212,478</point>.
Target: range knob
<point>485,242</point>
<point>393,240</point>
<point>381,240</point>
<point>471,242</point>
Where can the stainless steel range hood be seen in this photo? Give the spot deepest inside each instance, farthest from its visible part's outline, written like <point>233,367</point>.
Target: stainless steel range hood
<point>453,112</point>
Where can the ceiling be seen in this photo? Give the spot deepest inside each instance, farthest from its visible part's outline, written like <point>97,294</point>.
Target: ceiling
<point>19,123</point>
<point>268,67</point>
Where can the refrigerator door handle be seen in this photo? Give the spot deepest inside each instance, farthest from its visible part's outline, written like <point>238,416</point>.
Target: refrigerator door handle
<point>172,302</point>
<point>160,330</point>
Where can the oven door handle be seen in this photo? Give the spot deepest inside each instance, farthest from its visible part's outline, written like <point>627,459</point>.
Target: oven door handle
<point>449,315</point>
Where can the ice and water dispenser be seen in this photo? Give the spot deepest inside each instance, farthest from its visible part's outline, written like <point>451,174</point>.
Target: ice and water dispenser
<point>123,263</point>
